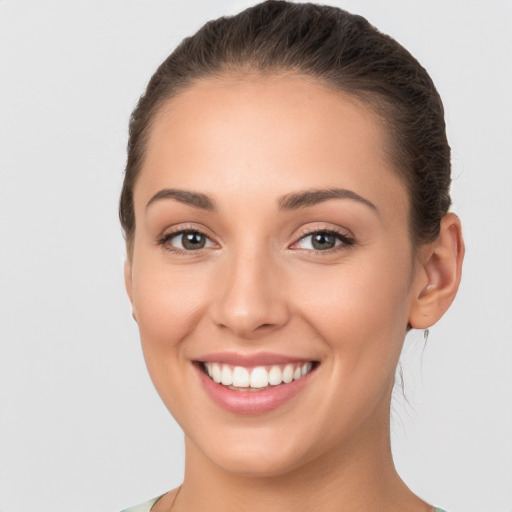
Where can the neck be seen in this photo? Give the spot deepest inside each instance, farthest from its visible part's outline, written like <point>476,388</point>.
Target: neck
<point>359,476</point>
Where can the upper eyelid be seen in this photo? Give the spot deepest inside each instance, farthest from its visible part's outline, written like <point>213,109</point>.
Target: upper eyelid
<point>184,228</point>
<point>343,232</point>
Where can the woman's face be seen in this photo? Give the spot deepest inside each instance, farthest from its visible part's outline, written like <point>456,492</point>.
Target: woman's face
<point>271,233</point>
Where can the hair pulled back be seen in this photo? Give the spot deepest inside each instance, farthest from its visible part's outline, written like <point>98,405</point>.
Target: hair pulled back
<point>340,50</point>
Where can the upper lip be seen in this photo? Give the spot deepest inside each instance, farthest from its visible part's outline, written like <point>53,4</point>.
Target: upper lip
<point>249,360</point>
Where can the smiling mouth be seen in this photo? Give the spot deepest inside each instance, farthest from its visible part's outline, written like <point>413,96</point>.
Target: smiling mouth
<point>258,378</point>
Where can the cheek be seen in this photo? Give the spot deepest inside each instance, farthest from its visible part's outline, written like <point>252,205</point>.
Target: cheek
<point>168,302</point>
<point>360,307</point>
<point>359,311</point>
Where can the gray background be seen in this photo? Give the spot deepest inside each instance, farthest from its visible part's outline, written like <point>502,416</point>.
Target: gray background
<point>81,427</point>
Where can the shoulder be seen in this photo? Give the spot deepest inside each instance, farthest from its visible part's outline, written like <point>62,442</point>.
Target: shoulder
<point>143,507</point>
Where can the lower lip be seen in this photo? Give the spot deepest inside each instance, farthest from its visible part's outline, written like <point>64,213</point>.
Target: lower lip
<point>251,402</point>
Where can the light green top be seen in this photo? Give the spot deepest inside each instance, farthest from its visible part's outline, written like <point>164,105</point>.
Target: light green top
<point>143,507</point>
<point>146,507</point>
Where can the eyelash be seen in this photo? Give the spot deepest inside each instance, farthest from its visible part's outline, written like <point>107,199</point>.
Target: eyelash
<point>346,241</point>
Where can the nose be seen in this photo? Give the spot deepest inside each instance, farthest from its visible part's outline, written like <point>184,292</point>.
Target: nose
<point>252,296</point>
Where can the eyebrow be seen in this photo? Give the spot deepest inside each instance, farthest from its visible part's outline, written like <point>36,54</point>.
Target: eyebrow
<point>293,201</point>
<point>195,199</point>
<point>307,198</point>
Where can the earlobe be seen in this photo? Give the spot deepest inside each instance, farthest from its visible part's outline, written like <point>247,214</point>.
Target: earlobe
<point>128,283</point>
<point>441,271</point>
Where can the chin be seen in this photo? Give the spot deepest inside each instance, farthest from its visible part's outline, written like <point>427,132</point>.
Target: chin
<point>257,455</point>
<point>258,466</point>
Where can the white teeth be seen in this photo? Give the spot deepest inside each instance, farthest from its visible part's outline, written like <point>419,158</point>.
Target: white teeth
<point>226,376</point>
<point>259,377</point>
<point>306,368</point>
<point>288,373</point>
<point>216,374</point>
<point>240,377</point>
<point>275,376</point>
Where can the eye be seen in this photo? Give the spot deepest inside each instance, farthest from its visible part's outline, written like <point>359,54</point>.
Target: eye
<point>186,240</point>
<point>323,240</point>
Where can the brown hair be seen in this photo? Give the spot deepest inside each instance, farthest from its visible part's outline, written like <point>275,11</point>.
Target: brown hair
<point>340,50</point>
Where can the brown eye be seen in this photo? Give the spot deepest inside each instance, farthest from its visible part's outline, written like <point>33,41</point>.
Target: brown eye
<point>324,241</point>
<point>193,241</point>
<point>187,241</point>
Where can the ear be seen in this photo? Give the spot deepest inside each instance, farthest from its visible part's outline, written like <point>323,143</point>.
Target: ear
<point>439,274</point>
<point>128,283</point>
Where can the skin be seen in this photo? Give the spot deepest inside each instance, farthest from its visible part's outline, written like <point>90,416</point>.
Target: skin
<point>258,286</point>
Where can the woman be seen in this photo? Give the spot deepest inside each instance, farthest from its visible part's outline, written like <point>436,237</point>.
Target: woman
<point>285,209</point>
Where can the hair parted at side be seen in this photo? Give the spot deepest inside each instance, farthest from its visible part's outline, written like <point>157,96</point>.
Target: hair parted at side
<point>340,50</point>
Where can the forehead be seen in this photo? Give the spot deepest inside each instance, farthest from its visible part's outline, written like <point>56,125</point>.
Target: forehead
<point>267,135</point>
